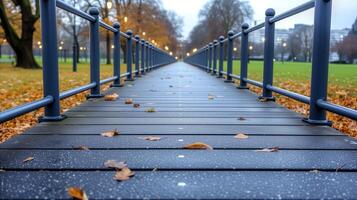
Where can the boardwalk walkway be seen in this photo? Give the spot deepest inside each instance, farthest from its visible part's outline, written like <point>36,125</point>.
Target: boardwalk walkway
<point>312,162</point>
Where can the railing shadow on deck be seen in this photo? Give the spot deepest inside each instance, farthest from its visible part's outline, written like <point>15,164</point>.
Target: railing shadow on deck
<point>206,58</point>
<point>147,57</point>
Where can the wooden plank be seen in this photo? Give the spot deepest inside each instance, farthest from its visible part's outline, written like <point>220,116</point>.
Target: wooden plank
<point>181,185</point>
<point>177,141</point>
<point>182,159</point>
<point>183,129</point>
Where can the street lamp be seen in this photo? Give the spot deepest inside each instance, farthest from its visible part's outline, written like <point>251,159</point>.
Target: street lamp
<point>170,53</point>
<point>109,4</point>
<point>125,19</point>
<point>188,54</point>
<point>144,33</point>
<point>194,50</point>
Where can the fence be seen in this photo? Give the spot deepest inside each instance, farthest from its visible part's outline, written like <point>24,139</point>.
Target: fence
<point>151,57</point>
<point>206,58</point>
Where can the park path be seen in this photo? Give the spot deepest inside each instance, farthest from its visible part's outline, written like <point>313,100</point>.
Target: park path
<point>282,157</point>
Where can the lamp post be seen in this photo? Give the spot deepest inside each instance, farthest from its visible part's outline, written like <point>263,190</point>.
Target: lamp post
<point>283,51</point>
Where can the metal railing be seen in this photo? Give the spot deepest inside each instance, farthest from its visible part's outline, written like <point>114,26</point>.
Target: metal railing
<point>204,57</point>
<point>151,57</point>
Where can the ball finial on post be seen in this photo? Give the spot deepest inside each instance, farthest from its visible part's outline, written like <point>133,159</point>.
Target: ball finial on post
<point>270,12</point>
<point>93,11</point>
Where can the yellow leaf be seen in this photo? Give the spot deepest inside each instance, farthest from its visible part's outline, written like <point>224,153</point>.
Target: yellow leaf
<point>124,174</point>
<point>77,193</point>
<point>111,97</point>
<point>28,159</point>
<point>198,145</point>
<point>112,133</point>
<point>241,136</point>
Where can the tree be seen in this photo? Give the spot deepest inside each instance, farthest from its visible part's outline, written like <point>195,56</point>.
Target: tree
<point>347,48</point>
<point>217,18</point>
<point>20,40</point>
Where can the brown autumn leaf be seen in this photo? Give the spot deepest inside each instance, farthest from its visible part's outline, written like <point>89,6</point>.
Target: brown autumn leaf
<point>111,97</point>
<point>198,145</point>
<point>273,149</point>
<point>150,138</point>
<point>112,133</point>
<point>136,105</point>
<point>114,164</point>
<point>151,110</point>
<point>241,136</point>
<point>315,171</point>
<point>210,97</point>
<point>241,118</point>
<point>128,101</point>
<point>28,159</point>
<point>77,193</point>
<point>123,174</point>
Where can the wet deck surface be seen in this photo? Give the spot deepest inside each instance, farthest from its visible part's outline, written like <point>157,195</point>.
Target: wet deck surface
<point>311,163</point>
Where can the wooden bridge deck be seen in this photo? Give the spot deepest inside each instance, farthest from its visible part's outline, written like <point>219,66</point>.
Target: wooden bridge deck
<point>312,162</point>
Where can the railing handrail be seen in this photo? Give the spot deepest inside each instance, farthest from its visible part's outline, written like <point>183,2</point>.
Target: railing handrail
<point>318,97</point>
<point>152,57</point>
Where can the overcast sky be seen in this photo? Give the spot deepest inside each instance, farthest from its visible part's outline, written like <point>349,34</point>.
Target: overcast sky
<point>344,12</point>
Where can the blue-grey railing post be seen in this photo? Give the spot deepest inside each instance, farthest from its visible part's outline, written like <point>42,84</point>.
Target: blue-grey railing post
<point>229,57</point>
<point>143,56</point>
<point>214,71</point>
<point>94,54</point>
<point>147,55</point>
<point>151,57</point>
<point>320,61</point>
<point>129,57</point>
<point>221,56</point>
<point>137,56</point>
<point>207,57</point>
<point>116,56</point>
<point>268,55</point>
<point>50,60</point>
<point>244,57</point>
<point>210,55</point>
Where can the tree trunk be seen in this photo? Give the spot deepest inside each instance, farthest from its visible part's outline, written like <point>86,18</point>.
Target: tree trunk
<point>24,55</point>
<point>109,61</point>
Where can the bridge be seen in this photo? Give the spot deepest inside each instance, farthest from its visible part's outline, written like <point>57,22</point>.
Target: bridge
<point>184,133</point>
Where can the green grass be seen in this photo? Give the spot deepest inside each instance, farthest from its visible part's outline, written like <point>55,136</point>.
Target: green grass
<point>339,74</point>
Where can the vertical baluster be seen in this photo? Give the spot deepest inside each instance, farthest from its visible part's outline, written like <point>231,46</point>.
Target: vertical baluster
<point>50,60</point>
<point>320,61</point>
<point>210,55</point>
<point>268,56</point>
<point>207,57</point>
<point>129,57</point>
<point>214,71</point>
<point>229,57</point>
<point>143,56</point>
<point>147,56</point>
<point>244,57</point>
<point>94,54</point>
<point>137,56</point>
<point>221,56</point>
<point>116,56</point>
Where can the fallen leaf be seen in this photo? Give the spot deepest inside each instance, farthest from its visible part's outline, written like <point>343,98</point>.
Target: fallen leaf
<point>28,159</point>
<point>154,170</point>
<point>171,86</point>
<point>273,149</point>
<point>111,97</point>
<point>2,170</point>
<point>124,174</point>
<point>198,145</point>
<point>150,138</point>
<point>263,100</point>
<point>241,118</point>
<point>151,110</point>
<point>136,105</point>
<point>128,101</point>
<point>210,97</point>
<point>77,193</point>
<point>112,133</point>
<point>315,171</point>
<point>241,136</point>
<point>83,148</point>
<point>115,164</point>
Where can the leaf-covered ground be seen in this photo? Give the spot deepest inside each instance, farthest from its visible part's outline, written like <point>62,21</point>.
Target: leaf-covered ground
<point>19,86</point>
